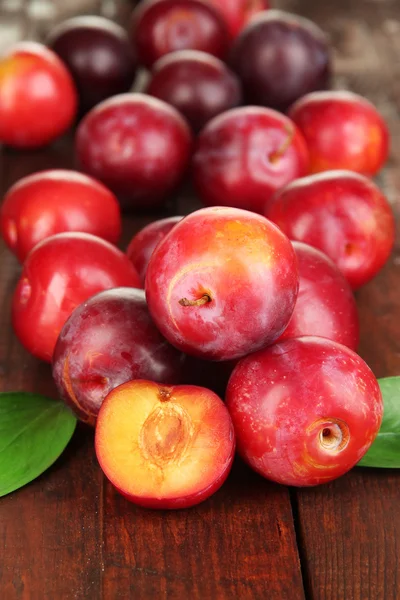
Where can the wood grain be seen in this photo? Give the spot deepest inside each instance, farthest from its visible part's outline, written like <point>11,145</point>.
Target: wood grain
<point>239,544</point>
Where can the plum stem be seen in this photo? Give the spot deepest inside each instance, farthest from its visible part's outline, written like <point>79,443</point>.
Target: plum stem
<point>199,302</point>
<point>277,154</point>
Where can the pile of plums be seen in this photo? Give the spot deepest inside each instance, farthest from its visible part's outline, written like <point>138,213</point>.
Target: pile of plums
<point>249,298</point>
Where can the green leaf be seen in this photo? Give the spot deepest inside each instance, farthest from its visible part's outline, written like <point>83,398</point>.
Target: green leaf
<point>385,451</point>
<point>34,431</point>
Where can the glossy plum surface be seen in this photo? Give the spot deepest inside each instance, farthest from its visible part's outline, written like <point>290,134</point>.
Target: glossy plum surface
<point>222,283</point>
<point>99,56</point>
<point>343,131</point>
<point>38,99</point>
<point>162,26</point>
<point>325,305</point>
<point>164,447</point>
<point>109,340</point>
<point>143,243</point>
<point>137,146</point>
<point>305,410</point>
<point>343,214</point>
<point>279,57</point>
<point>244,155</point>
<point>60,273</point>
<point>197,84</point>
<point>54,201</point>
<point>237,13</point>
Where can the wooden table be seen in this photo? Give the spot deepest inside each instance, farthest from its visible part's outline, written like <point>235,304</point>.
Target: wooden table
<point>69,535</point>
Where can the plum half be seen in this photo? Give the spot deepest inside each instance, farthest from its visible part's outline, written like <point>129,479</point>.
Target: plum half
<point>162,446</point>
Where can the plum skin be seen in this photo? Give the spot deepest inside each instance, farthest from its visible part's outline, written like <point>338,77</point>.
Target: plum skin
<point>159,27</point>
<point>197,84</point>
<point>305,410</point>
<point>143,243</point>
<point>244,155</point>
<point>342,213</point>
<point>325,304</point>
<point>343,131</point>
<point>109,340</point>
<point>60,273</point>
<point>98,54</point>
<point>213,426</point>
<point>215,268</point>
<point>237,13</point>
<point>279,57</point>
<point>137,145</point>
<point>29,119</point>
<point>55,201</point>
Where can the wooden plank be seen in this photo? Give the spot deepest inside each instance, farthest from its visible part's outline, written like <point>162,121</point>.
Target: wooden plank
<point>239,544</point>
<point>349,530</point>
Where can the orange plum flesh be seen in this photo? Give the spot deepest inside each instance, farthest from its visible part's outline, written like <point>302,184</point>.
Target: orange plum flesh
<point>164,447</point>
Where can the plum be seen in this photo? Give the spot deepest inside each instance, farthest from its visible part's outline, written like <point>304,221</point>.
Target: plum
<point>99,56</point>
<point>164,446</point>
<point>222,283</point>
<point>138,146</point>
<point>342,213</point>
<point>109,340</point>
<point>162,26</point>
<point>279,57</point>
<point>38,98</point>
<point>244,155</point>
<point>305,410</point>
<point>197,84</point>
<point>55,201</point>
<point>343,131</point>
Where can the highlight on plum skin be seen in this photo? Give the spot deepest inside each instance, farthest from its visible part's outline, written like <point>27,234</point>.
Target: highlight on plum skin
<point>325,304</point>
<point>109,340</point>
<point>342,213</point>
<point>143,243</point>
<point>222,283</point>
<point>305,410</point>
<point>343,131</point>
<point>56,201</point>
<point>244,155</point>
<point>159,27</point>
<point>38,99</point>
<point>164,447</point>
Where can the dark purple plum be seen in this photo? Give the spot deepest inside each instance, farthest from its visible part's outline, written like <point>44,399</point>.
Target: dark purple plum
<point>279,57</point>
<point>162,26</point>
<point>197,84</point>
<point>99,56</point>
<point>109,340</point>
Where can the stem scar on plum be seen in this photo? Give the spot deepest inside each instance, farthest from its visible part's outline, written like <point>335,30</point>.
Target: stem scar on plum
<point>164,394</point>
<point>205,299</point>
<point>334,435</point>
<point>276,155</point>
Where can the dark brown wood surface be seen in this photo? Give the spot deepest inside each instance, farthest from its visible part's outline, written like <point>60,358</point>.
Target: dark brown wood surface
<point>70,536</point>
